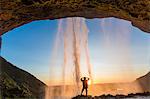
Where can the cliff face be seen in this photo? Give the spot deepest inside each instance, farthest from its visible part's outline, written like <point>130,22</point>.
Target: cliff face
<point>144,82</point>
<point>15,82</point>
<point>18,12</point>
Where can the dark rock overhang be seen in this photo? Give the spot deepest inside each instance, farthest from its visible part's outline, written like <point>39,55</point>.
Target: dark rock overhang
<point>15,13</point>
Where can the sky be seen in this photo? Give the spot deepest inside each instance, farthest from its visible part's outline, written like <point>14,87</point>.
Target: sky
<point>119,52</point>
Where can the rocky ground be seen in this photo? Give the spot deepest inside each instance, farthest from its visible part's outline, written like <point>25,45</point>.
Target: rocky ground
<point>145,95</point>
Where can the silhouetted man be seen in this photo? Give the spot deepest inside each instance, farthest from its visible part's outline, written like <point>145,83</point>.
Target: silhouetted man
<point>85,84</point>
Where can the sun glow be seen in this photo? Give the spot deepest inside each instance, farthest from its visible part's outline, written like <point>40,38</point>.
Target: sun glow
<point>89,82</point>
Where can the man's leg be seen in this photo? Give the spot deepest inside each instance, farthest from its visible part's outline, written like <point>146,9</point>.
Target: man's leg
<point>82,91</point>
<point>86,91</point>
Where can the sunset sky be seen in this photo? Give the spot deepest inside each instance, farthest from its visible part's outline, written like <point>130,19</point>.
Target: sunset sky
<point>119,52</point>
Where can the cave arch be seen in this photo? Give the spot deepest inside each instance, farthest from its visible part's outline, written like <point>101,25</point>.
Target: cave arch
<point>15,13</point>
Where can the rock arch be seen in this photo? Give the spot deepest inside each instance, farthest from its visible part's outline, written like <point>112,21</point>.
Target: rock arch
<point>14,13</point>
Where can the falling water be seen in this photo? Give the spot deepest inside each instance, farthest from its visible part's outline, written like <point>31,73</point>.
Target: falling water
<point>116,36</point>
<point>71,57</point>
<point>70,46</point>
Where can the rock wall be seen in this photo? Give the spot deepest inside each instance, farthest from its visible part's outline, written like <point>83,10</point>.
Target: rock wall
<point>16,83</point>
<point>14,13</point>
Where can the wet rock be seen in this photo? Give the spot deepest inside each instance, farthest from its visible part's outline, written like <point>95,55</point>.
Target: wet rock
<point>109,96</point>
<point>83,97</point>
<point>15,13</point>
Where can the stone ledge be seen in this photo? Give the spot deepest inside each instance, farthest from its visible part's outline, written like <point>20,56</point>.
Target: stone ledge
<point>15,13</point>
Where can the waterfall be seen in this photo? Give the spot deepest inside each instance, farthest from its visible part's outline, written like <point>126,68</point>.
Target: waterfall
<point>70,50</point>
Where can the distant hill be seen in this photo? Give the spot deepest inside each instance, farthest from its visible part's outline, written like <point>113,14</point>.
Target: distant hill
<point>144,82</point>
<point>15,82</point>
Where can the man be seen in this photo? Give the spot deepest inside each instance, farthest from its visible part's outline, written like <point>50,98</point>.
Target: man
<point>85,84</point>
